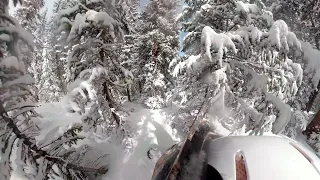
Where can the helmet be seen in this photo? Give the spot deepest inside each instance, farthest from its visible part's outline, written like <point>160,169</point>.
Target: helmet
<point>262,158</point>
<point>206,155</point>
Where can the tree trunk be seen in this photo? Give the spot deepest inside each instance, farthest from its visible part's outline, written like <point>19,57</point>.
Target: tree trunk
<point>108,97</point>
<point>313,126</point>
<point>315,93</point>
<point>107,93</point>
<point>60,75</point>
<point>313,96</point>
<point>128,93</point>
<point>140,87</point>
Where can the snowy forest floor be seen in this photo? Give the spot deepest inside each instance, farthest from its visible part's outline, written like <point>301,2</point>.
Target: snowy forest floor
<point>152,130</point>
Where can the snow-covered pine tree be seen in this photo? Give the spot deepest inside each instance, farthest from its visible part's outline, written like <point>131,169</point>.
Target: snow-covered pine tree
<point>238,69</point>
<point>303,19</point>
<point>311,84</point>
<point>28,14</point>
<point>158,46</point>
<point>128,55</point>
<point>95,30</point>
<point>290,12</point>
<point>34,22</point>
<point>310,17</point>
<point>49,156</point>
<point>55,66</point>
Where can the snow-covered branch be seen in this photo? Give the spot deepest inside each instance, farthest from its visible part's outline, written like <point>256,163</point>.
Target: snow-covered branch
<point>41,153</point>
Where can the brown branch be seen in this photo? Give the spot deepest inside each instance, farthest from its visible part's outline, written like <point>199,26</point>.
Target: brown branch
<point>108,97</point>
<point>9,19</point>
<point>21,107</point>
<point>200,112</point>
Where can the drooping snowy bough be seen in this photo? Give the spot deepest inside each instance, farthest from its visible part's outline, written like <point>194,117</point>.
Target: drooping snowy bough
<point>247,73</point>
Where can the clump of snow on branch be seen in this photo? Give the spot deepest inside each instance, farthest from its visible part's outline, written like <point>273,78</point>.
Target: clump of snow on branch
<point>101,18</point>
<point>91,17</point>
<point>311,55</point>
<point>284,113</point>
<point>192,64</point>
<point>10,62</point>
<point>83,87</point>
<point>280,36</point>
<point>77,26</point>
<point>297,124</point>
<point>247,7</point>
<point>268,17</point>
<point>5,37</point>
<point>219,41</point>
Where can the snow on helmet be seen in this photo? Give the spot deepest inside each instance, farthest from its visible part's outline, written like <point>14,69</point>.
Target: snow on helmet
<point>208,156</point>
<point>262,158</point>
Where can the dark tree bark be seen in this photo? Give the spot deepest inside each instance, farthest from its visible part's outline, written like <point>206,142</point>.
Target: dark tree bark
<point>315,93</point>
<point>129,93</point>
<point>108,94</point>
<point>108,97</point>
<point>313,126</point>
<point>312,97</point>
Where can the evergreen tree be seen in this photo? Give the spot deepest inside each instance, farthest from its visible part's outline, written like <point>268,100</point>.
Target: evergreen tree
<point>128,48</point>
<point>34,159</point>
<point>34,22</point>
<point>158,46</point>
<point>95,30</point>
<point>240,64</point>
<point>55,70</point>
<point>302,18</point>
